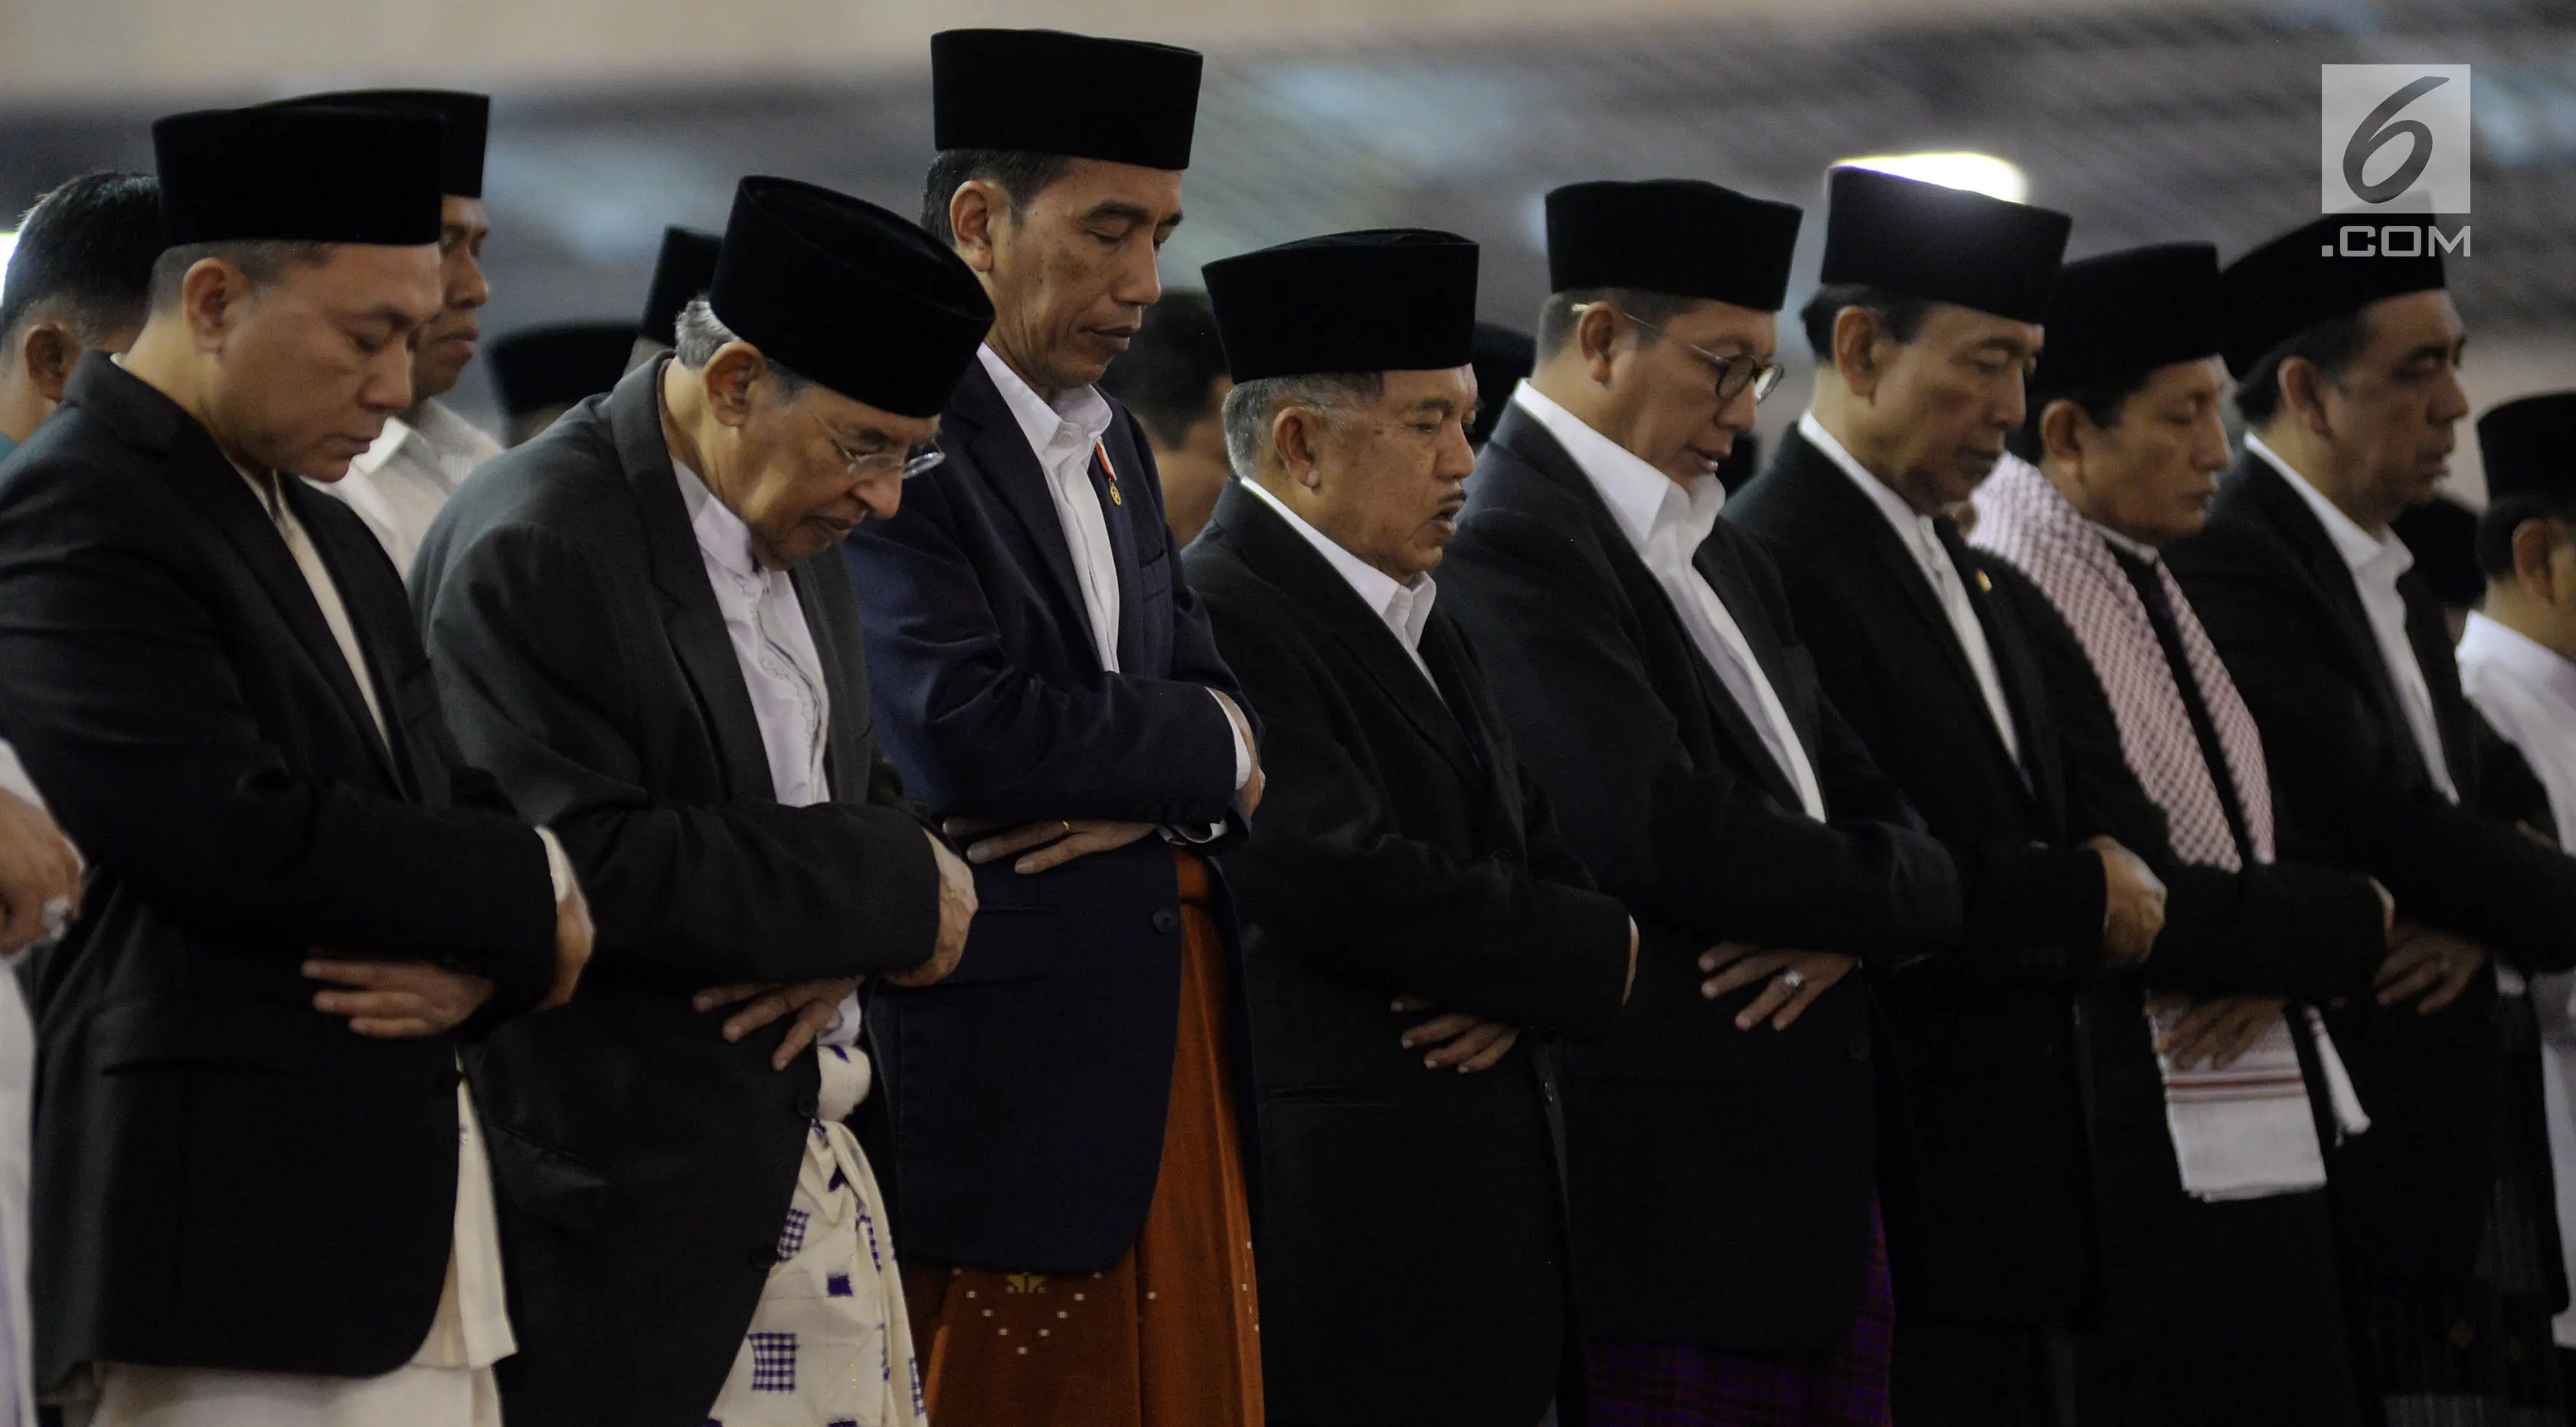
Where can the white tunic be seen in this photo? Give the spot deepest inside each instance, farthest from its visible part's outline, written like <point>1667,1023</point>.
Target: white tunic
<point>2528,693</point>
<point>401,483</point>
<point>17,1091</point>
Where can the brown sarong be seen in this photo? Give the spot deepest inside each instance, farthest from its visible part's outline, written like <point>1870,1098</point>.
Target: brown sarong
<point>1166,1337</point>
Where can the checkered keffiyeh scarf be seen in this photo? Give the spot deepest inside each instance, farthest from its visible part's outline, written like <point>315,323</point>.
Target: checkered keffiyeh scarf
<point>2024,519</point>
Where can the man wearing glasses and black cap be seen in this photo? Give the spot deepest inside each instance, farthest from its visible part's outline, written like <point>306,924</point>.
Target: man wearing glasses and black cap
<point>1643,654</point>
<point>641,626</point>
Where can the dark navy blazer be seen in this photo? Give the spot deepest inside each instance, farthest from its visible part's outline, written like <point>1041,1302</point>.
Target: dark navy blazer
<point>1030,1089</point>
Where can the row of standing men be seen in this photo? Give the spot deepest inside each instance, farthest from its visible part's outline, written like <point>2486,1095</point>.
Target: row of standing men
<point>1702,960</point>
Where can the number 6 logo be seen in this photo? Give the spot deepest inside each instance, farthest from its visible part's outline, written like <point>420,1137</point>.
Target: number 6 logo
<point>2381,126</point>
<point>2368,108</point>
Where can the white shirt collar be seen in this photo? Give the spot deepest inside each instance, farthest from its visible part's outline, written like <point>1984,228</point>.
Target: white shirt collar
<point>2136,549</point>
<point>1639,495</point>
<point>1405,608</point>
<point>388,443</point>
<point>1912,525</point>
<point>2520,656</point>
<point>1044,423</point>
<point>720,533</point>
<point>2385,557</point>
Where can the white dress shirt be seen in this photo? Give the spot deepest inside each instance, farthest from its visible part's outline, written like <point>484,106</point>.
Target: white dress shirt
<point>1666,525</point>
<point>1405,609</point>
<point>2528,693</point>
<point>1917,533</point>
<point>2376,562</point>
<point>774,648</point>
<point>17,1099</point>
<point>1066,434</point>
<point>401,483</point>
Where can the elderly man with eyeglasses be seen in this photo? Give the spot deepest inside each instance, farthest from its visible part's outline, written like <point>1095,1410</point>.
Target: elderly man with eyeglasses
<point>1726,1249</point>
<point>640,625</point>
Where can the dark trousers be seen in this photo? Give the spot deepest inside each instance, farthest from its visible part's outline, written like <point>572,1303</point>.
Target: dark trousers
<point>1959,1375</point>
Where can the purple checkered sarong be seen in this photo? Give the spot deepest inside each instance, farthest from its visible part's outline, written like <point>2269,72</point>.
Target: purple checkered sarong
<point>1667,1385</point>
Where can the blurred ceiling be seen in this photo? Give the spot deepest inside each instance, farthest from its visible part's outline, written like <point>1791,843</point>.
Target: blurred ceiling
<point>2146,123</point>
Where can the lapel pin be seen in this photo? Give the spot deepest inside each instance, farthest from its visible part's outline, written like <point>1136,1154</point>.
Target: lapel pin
<point>1109,471</point>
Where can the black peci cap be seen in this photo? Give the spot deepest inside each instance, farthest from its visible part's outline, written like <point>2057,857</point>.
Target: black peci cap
<point>2528,446</point>
<point>684,271</point>
<point>848,294</point>
<point>2300,279</point>
<point>468,118</point>
<point>539,367</point>
<point>306,174</point>
<point>2125,313</point>
<point>1503,359</point>
<point>1051,92</point>
<point>1383,300</point>
<point>1946,244</point>
<point>1672,235</point>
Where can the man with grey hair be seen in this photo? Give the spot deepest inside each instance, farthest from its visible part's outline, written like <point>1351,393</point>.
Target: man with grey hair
<point>639,622</point>
<point>1390,1015</point>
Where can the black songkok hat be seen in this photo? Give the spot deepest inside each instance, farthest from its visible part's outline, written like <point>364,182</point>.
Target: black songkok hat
<point>848,294</point>
<point>1673,235</point>
<point>539,367</point>
<point>1384,300</point>
<point>1049,92</point>
<point>2129,312</point>
<point>1946,244</point>
<point>301,175</point>
<point>684,271</point>
<point>2298,280</point>
<point>2529,446</point>
<point>468,116</point>
<point>1502,358</point>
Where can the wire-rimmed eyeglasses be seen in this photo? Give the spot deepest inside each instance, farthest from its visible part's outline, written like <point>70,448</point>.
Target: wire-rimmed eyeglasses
<point>1734,374</point>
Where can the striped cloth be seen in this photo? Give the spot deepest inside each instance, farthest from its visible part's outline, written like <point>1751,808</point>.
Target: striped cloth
<point>2244,1131</point>
<point>1680,1385</point>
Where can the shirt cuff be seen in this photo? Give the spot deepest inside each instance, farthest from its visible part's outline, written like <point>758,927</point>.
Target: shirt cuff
<point>558,867</point>
<point>1242,747</point>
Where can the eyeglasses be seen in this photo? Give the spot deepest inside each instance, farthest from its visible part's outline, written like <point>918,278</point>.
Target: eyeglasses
<point>1734,374</point>
<point>921,459</point>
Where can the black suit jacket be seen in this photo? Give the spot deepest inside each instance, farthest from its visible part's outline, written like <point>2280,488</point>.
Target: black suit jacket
<point>1412,1243</point>
<point>2308,931</point>
<point>1030,1089</point>
<point>1702,1155</point>
<point>225,1177</point>
<point>2353,789</point>
<point>645,1164</point>
<point>1982,1138</point>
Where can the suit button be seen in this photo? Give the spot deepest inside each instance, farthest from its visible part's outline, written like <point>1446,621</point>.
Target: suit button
<point>763,1257</point>
<point>1167,920</point>
<point>1859,1047</point>
<point>804,1104</point>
